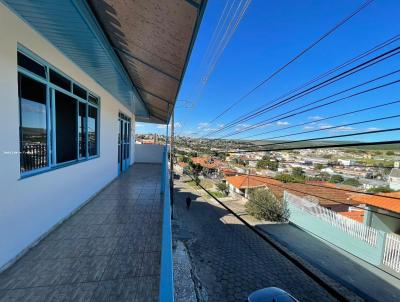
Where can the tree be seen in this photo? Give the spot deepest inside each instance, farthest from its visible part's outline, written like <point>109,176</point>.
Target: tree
<point>267,164</point>
<point>239,161</point>
<point>297,175</point>
<point>297,172</point>
<point>184,159</point>
<point>262,164</point>
<point>324,176</point>
<point>318,166</point>
<point>263,204</point>
<point>390,152</point>
<point>197,168</point>
<point>352,182</point>
<point>273,165</point>
<point>380,189</point>
<point>222,187</point>
<point>284,177</point>
<point>336,179</point>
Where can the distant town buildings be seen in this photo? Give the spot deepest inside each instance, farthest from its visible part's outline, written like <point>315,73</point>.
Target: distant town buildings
<point>394,179</point>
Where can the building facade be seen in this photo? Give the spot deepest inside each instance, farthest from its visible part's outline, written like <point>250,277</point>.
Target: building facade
<point>69,106</point>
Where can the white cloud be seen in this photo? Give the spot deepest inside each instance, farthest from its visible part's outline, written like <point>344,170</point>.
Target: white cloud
<point>324,126</point>
<point>178,125</point>
<point>283,123</point>
<point>139,125</point>
<point>203,125</point>
<point>373,129</point>
<point>343,129</point>
<point>308,127</point>
<point>315,117</point>
<point>161,126</point>
<point>242,126</point>
<point>265,126</point>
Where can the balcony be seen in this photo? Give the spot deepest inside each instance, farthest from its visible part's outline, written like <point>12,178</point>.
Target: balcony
<point>109,250</point>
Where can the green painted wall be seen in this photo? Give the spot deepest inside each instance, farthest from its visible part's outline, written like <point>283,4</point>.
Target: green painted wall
<point>384,222</point>
<point>322,229</point>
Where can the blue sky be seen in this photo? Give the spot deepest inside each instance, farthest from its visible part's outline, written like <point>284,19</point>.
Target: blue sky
<point>269,35</point>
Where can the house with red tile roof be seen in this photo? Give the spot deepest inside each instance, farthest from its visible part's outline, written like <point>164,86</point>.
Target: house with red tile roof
<point>357,215</point>
<point>383,210</point>
<point>210,165</point>
<point>327,196</point>
<point>180,167</point>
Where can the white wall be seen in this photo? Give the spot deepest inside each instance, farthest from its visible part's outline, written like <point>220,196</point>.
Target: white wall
<point>148,153</point>
<point>31,206</point>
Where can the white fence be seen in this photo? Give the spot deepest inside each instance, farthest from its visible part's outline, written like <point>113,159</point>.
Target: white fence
<point>347,225</point>
<point>391,257</point>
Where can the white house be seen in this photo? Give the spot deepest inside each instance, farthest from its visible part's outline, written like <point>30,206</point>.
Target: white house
<point>394,179</point>
<point>75,76</point>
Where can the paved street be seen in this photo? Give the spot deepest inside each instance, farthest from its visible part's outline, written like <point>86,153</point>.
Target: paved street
<point>108,251</point>
<point>230,260</point>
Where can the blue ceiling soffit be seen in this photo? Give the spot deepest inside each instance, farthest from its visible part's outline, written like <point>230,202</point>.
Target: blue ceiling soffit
<point>70,26</point>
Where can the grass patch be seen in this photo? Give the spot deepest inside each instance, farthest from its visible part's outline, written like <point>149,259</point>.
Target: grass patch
<point>217,194</point>
<point>192,184</point>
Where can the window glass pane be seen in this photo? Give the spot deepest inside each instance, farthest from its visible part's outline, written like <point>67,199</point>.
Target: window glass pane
<point>59,80</point>
<point>33,124</point>
<point>82,129</point>
<point>92,131</point>
<point>31,65</point>
<point>66,127</point>
<point>93,99</point>
<point>79,91</point>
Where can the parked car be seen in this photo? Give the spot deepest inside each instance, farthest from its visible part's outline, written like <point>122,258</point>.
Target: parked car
<point>270,294</point>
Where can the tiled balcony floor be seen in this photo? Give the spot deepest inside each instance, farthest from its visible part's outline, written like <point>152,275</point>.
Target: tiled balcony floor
<point>108,251</point>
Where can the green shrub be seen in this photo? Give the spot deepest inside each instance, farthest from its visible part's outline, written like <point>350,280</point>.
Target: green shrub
<point>222,187</point>
<point>336,179</point>
<point>380,189</point>
<point>263,204</point>
<point>284,177</point>
<point>352,182</point>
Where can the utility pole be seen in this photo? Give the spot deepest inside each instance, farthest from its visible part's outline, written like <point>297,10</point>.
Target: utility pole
<point>171,184</point>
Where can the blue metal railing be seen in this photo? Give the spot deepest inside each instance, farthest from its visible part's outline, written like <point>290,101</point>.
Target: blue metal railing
<point>166,293</point>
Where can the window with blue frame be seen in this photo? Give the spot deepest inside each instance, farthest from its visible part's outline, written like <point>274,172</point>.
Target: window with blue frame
<point>59,121</point>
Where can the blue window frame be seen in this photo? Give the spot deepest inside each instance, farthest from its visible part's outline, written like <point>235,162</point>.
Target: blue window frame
<point>59,118</point>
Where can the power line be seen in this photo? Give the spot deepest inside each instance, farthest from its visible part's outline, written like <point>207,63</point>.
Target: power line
<point>335,127</point>
<point>330,137</point>
<point>353,70</point>
<point>220,39</point>
<point>249,115</point>
<point>323,197</point>
<point>335,293</point>
<point>323,119</point>
<point>330,164</point>
<point>331,290</point>
<point>296,57</point>
<point>280,117</point>
<point>358,144</point>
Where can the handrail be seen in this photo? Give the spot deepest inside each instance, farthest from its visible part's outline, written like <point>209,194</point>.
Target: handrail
<point>166,292</point>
